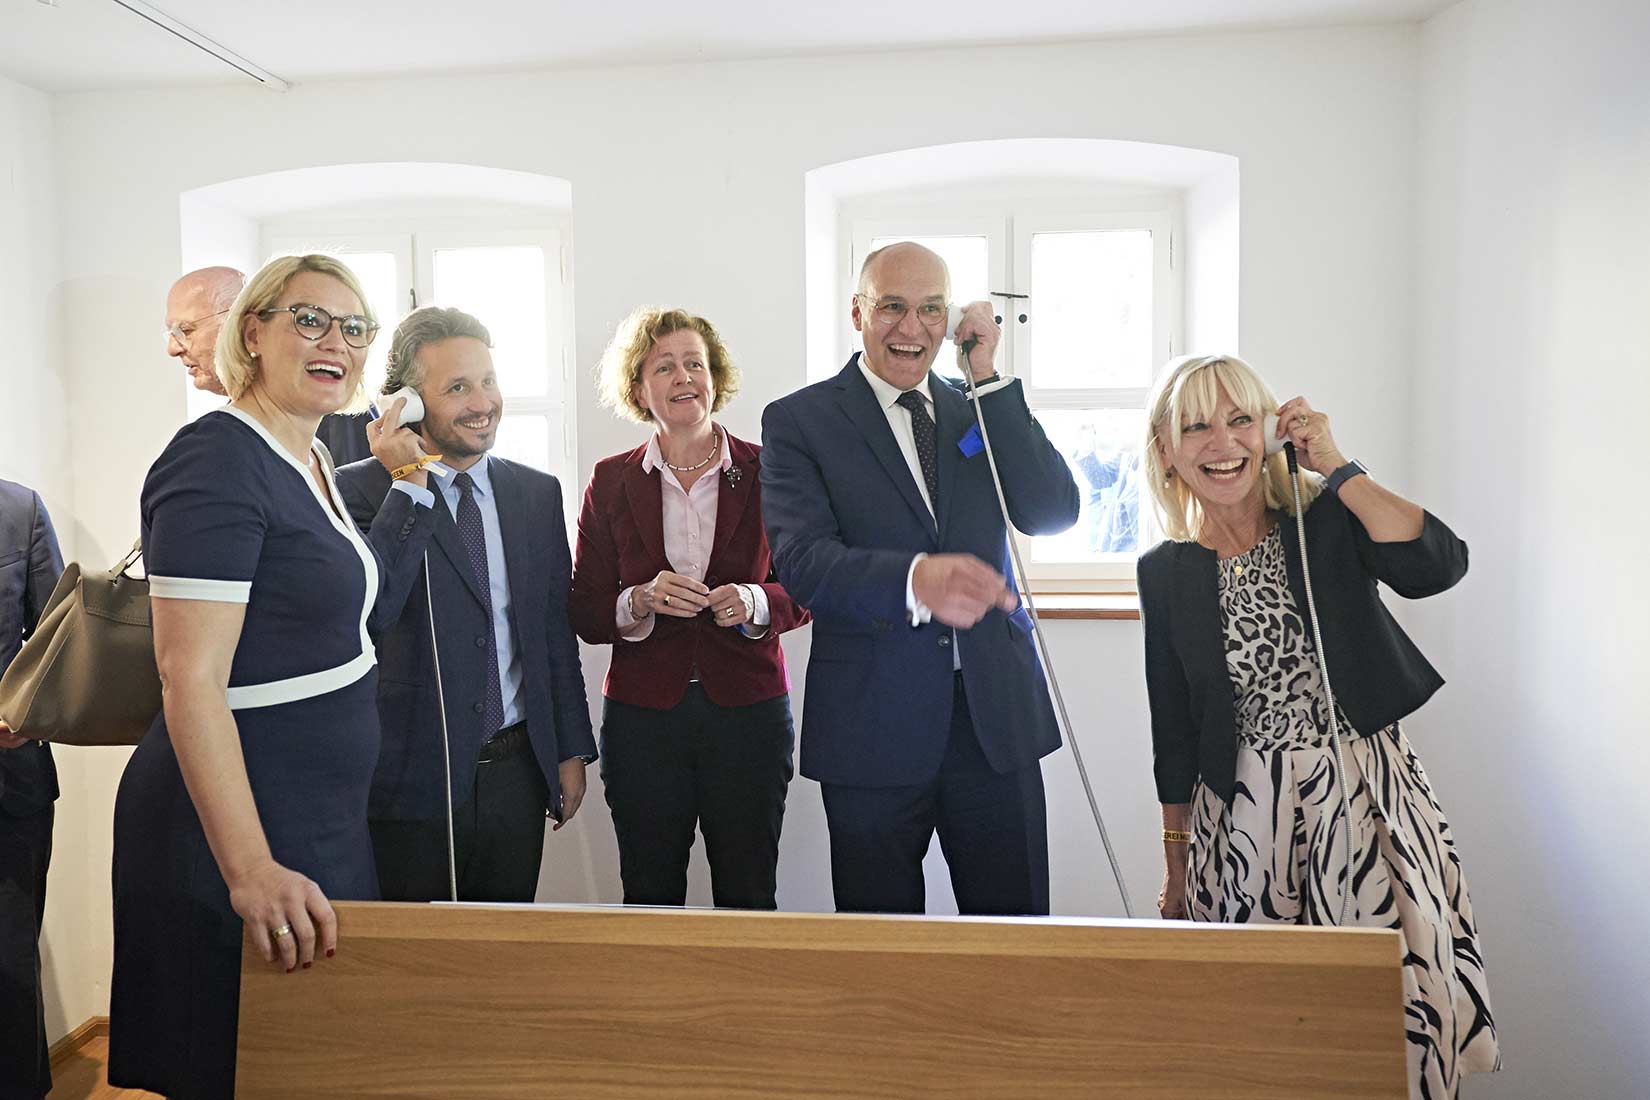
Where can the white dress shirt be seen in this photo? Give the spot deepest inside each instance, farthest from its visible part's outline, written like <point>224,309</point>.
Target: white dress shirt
<point>899,421</point>
<point>690,533</point>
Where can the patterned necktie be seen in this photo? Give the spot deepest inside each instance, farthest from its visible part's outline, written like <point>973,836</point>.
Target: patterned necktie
<point>922,428</point>
<point>475,548</point>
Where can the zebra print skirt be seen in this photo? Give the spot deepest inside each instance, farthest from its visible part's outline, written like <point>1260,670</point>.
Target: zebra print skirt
<point>1277,854</point>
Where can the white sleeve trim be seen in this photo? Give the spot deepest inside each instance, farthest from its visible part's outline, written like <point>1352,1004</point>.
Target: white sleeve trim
<point>197,588</point>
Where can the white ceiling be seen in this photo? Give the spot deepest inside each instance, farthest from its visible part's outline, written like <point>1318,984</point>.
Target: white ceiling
<point>69,45</point>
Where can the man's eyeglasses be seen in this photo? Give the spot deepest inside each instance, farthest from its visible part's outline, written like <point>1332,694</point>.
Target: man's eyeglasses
<point>181,331</point>
<point>313,322</point>
<point>892,311</point>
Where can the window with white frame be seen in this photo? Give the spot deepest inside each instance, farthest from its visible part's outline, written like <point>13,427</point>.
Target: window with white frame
<point>509,273</point>
<point>1095,310</point>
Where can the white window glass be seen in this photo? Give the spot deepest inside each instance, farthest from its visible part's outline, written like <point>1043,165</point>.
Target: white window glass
<point>525,439</point>
<point>1102,447</point>
<point>376,271</point>
<point>504,288</point>
<point>968,259</point>
<point>1091,309</point>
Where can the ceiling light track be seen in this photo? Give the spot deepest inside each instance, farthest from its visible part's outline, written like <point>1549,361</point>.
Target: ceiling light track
<point>201,42</point>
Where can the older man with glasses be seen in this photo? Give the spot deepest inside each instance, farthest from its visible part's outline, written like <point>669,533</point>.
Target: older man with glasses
<point>925,708</point>
<point>195,309</point>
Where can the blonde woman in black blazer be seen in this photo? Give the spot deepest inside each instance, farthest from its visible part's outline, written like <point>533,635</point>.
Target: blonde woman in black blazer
<point>1244,761</point>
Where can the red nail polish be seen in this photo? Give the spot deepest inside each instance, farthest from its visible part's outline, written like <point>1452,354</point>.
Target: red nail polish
<point>306,966</point>
<point>331,951</point>
<point>290,969</point>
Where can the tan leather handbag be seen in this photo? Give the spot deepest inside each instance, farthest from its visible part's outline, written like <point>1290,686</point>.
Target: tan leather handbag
<point>86,676</point>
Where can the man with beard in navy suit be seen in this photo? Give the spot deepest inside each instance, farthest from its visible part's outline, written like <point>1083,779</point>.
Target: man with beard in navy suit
<point>498,568</point>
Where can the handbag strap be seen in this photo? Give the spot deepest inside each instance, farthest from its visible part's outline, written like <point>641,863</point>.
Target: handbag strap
<point>132,557</point>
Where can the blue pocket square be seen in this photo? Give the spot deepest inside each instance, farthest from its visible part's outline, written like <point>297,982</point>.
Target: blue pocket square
<point>971,444</point>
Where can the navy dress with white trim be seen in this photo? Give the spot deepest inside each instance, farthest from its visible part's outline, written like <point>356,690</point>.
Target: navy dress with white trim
<point>230,516</point>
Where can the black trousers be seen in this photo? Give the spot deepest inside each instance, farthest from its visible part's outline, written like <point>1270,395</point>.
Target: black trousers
<point>498,833</point>
<point>993,829</point>
<point>724,769</point>
<point>25,852</point>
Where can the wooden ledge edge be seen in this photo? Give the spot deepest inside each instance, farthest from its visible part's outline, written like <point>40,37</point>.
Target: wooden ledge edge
<point>62,1050</point>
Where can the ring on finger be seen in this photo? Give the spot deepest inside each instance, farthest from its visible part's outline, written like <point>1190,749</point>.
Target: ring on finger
<point>1302,421</point>
<point>283,930</point>
<point>665,599</point>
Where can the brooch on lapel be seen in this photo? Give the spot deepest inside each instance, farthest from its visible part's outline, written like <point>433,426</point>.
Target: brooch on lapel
<point>733,474</point>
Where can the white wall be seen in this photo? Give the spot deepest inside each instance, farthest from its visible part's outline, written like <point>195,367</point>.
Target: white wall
<point>688,187</point>
<point>1532,385</point>
<point>35,453</point>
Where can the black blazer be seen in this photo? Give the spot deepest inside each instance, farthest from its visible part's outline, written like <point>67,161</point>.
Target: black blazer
<point>29,567</point>
<point>408,784</point>
<point>1379,674</point>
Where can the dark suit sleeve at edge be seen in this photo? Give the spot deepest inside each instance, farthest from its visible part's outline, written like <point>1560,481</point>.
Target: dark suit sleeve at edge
<point>45,566</point>
<point>1041,493</point>
<point>1174,734</point>
<point>573,733</point>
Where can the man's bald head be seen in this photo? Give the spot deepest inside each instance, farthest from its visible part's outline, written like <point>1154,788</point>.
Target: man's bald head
<point>901,255</point>
<point>896,284</point>
<point>194,314</point>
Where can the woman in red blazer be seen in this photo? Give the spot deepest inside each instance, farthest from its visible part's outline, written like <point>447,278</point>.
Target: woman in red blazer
<point>672,570</point>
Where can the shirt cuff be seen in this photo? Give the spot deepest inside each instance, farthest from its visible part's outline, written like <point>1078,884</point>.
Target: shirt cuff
<point>421,496</point>
<point>631,629</point>
<point>760,617</point>
<point>914,607</point>
<point>991,387</point>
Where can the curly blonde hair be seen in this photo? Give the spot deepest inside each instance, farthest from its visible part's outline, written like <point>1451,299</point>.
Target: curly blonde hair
<point>236,368</point>
<point>1188,391</point>
<point>620,368</point>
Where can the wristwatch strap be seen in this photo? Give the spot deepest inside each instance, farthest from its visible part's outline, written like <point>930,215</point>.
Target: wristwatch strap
<point>1345,474</point>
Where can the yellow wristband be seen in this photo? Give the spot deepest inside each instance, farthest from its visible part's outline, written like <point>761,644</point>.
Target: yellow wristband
<point>413,467</point>
<point>1176,836</point>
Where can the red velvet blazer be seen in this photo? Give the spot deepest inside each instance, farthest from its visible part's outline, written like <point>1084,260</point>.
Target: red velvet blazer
<point>622,542</point>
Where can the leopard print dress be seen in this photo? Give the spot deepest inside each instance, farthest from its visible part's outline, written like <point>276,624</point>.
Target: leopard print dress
<point>1277,852</point>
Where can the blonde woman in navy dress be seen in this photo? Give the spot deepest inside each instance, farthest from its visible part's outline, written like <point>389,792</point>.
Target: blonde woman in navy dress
<point>1245,765</point>
<point>247,801</point>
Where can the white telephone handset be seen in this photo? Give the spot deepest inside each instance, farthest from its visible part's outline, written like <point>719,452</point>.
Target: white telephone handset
<point>953,318</point>
<point>1269,434</point>
<point>412,412</point>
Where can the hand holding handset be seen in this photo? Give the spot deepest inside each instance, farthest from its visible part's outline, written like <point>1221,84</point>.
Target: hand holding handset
<point>412,412</point>
<point>412,415</point>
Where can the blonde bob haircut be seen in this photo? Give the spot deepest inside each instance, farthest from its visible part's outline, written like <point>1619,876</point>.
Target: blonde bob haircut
<point>620,369</point>
<point>1188,391</point>
<point>236,368</point>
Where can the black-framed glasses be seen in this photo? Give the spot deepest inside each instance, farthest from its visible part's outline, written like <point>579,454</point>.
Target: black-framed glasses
<point>181,331</point>
<point>313,322</point>
<point>892,311</point>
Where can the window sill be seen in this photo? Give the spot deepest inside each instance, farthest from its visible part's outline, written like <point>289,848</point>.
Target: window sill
<point>1087,605</point>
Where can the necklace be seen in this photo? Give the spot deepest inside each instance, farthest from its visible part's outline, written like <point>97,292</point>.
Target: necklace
<point>715,448</point>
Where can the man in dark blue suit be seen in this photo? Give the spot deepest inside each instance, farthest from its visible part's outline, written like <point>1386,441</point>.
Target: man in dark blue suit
<point>926,708</point>
<point>518,727</point>
<point>29,567</point>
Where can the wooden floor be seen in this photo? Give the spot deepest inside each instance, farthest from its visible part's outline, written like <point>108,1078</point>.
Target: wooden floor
<point>80,1075</point>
